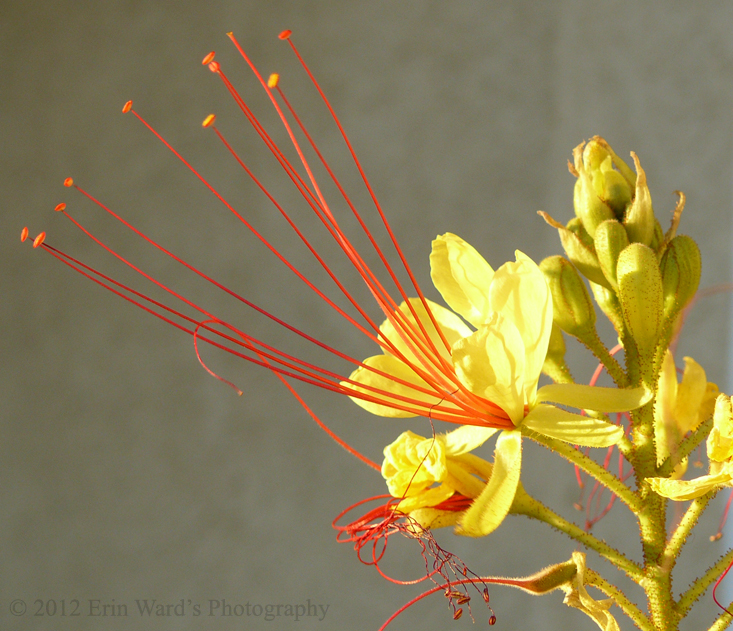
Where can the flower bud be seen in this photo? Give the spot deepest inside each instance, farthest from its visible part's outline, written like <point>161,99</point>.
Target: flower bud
<point>578,245</point>
<point>639,219</point>
<point>572,309</point>
<point>588,201</point>
<point>680,268</point>
<point>610,239</point>
<point>640,293</point>
<point>607,300</point>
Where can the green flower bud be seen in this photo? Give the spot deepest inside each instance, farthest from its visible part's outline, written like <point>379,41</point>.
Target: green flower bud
<point>639,219</point>
<point>640,293</point>
<point>555,366</point>
<point>578,245</point>
<point>572,308</point>
<point>610,239</point>
<point>589,188</point>
<point>680,268</point>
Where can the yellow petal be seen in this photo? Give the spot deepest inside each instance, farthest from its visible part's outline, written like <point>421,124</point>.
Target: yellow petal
<point>426,498</point>
<point>520,292</point>
<point>466,438</point>
<point>576,595</point>
<point>572,428</point>
<point>412,463</point>
<point>664,427</point>
<point>462,276</point>
<point>491,363</point>
<point>690,395</point>
<point>383,386</point>
<point>429,518</point>
<point>594,397</point>
<point>491,507</point>
<point>682,490</point>
<point>452,326</point>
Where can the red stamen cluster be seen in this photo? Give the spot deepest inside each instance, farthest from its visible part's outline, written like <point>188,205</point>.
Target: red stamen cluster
<point>448,572</point>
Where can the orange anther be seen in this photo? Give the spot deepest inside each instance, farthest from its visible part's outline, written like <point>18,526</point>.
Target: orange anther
<point>214,66</point>
<point>60,207</point>
<point>273,80</point>
<point>208,59</point>
<point>457,614</point>
<point>209,120</point>
<point>492,620</point>
<point>285,34</point>
<point>127,107</point>
<point>39,239</point>
<point>68,182</point>
<point>24,234</point>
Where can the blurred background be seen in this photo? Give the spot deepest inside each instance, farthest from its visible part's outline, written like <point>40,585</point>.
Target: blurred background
<point>128,472</point>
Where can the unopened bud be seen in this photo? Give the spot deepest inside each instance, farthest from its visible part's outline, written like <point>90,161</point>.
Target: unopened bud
<point>572,308</point>
<point>548,579</point>
<point>639,220</point>
<point>609,303</point>
<point>588,193</point>
<point>680,268</point>
<point>640,293</point>
<point>610,239</point>
<point>578,245</point>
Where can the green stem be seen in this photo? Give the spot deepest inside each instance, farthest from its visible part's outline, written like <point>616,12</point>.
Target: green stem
<point>723,622</point>
<point>526,505</point>
<point>687,523</point>
<point>591,467</point>
<point>629,608</point>
<point>610,363</point>
<point>686,447</point>
<point>699,586</point>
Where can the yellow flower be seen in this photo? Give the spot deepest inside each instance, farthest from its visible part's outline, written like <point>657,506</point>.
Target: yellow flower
<point>436,365</point>
<point>680,407</point>
<point>720,453</point>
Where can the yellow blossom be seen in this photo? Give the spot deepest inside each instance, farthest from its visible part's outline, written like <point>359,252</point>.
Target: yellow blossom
<point>435,365</point>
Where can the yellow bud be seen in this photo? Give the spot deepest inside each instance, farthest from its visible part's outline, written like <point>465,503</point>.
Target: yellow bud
<point>572,308</point>
<point>680,267</point>
<point>588,201</point>
<point>546,580</point>
<point>610,305</point>
<point>640,294</point>
<point>639,219</point>
<point>610,239</point>
<point>578,245</point>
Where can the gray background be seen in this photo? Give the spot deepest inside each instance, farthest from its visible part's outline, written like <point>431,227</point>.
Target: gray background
<point>127,471</point>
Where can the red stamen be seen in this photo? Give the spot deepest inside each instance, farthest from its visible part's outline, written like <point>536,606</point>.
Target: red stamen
<point>60,207</point>
<point>39,239</point>
<point>273,80</point>
<point>68,182</point>
<point>208,59</point>
<point>127,107</point>
<point>209,121</point>
<point>283,35</point>
<point>24,234</point>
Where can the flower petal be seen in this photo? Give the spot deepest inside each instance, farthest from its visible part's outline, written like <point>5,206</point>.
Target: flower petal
<point>690,393</point>
<point>491,507</point>
<point>452,326</point>
<point>519,291</point>
<point>462,276</point>
<point>466,438</point>
<point>491,363</point>
<point>383,386</point>
<point>682,490</point>
<point>572,428</point>
<point>594,397</point>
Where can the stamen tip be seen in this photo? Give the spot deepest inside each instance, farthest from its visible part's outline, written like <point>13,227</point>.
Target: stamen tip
<point>39,239</point>
<point>273,80</point>
<point>209,120</point>
<point>24,234</point>
<point>285,34</point>
<point>60,207</point>
<point>68,182</point>
<point>214,66</point>
<point>492,620</point>
<point>127,107</point>
<point>208,59</point>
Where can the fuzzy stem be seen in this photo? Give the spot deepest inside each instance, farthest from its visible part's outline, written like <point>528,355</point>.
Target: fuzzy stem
<point>686,447</point>
<point>591,467</point>
<point>699,586</point>
<point>526,505</point>
<point>629,608</point>
<point>723,622</point>
<point>610,363</point>
<point>687,523</point>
